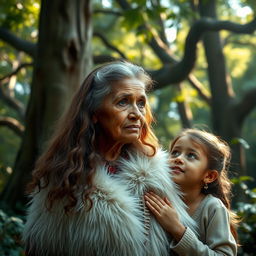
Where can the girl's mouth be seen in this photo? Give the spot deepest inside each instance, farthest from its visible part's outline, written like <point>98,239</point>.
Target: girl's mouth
<point>176,169</point>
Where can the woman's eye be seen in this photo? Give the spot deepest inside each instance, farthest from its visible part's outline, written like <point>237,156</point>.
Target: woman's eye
<point>122,102</point>
<point>141,104</point>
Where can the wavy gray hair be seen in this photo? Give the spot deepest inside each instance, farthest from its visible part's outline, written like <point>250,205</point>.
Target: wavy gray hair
<point>109,73</point>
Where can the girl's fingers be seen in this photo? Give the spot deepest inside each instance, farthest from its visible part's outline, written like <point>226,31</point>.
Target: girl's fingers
<point>167,201</point>
<point>156,198</point>
<point>159,199</point>
<point>152,208</point>
<point>153,202</point>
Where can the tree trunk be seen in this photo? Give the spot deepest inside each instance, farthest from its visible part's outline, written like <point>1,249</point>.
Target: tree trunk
<point>224,120</point>
<point>62,61</point>
<point>184,110</point>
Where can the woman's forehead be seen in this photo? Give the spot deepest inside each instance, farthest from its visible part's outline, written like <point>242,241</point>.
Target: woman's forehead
<point>133,86</point>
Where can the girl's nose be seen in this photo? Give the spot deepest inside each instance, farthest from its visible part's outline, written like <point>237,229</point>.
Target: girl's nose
<point>178,160</point>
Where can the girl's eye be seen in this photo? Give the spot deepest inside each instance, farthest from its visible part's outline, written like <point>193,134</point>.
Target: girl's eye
<point>141,104</point>
<point>122,102</point>
<point>174,153</point>
<point>192,156</point>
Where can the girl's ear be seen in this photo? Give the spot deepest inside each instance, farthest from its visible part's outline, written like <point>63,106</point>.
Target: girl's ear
<point>211,175</point>
<point>94,119</point>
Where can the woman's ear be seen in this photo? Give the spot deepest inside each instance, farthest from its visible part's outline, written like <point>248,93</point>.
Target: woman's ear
<point>211,175</point>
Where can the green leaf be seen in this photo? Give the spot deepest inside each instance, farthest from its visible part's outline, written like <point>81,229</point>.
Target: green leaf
<point>132,18</point>
<point>241,141</point>
<point>245,178</point>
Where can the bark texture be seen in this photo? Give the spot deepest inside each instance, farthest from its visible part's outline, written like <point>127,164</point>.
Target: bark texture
<point>61,62</point>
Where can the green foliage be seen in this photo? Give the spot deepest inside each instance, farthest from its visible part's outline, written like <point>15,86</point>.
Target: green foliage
<point>10,235</point>
<point>19,16</point>
<point>247,212</point>
<point>241,141</point>
<point>4,176</point>
<point>9,145</point>
<point>251,3</point>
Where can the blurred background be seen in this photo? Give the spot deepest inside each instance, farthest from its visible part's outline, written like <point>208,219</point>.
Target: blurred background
<point>200,53</point>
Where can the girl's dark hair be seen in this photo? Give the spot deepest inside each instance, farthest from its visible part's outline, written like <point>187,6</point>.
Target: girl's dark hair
<point>68,164</point>
<point>219,155</point>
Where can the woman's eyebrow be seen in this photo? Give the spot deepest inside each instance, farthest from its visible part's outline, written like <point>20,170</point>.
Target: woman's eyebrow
<point>127,95</point>
<point>123,95</point>
<point>120,96</point>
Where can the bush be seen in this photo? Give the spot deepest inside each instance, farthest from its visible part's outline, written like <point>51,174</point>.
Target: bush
<point>247,212</point>
<point>10,235</point>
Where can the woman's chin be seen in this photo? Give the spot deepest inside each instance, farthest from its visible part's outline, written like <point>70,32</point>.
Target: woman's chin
<point>131,138</point>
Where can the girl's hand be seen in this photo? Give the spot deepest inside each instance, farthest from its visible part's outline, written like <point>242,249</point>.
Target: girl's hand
<point>165,214</point>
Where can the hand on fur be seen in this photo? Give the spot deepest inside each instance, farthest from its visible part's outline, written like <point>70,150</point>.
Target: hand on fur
<point>165,214</point>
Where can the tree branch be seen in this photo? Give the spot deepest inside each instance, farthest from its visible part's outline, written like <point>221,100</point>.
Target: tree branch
<point>160,22</point>
<point>229,40</point>
<point>108,44</point>
<point>181,70</point>
<point>246,105</point>
<point>18,43</point>
<point>124,4</point>
<point>184,110</point>
<point>199,88</point>
<point>14,72</point>
<point>104,11</point>
<point>99,59</point>
<point>161,49</point>
<point>13,124</point>
<point>13,103</point>
<point>175,71</point>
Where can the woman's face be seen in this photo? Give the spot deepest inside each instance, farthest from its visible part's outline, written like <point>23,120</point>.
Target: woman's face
<point>122,112</point>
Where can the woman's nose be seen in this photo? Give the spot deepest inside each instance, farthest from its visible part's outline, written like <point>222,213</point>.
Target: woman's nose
<point>134,113</point>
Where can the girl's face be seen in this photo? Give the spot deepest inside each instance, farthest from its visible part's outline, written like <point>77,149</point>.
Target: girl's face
<point>188,162</point>
<point>122,113</point>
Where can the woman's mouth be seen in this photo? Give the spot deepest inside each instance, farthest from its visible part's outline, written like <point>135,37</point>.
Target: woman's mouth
<point>134,128</point>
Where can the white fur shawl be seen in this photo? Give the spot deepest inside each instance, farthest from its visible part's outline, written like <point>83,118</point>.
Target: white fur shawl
<point>118,223</point>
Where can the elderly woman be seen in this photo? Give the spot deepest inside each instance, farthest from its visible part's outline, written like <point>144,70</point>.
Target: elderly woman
<point>87,192</point>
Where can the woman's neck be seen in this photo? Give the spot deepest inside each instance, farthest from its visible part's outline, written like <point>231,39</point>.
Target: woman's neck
<point>110,152</point>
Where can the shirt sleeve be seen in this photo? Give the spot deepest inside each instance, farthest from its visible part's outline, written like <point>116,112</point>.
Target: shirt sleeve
<point>219,240</point>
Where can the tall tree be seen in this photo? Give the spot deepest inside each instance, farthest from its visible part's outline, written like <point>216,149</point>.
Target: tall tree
<point>62,57</point>
<point>228,112</point>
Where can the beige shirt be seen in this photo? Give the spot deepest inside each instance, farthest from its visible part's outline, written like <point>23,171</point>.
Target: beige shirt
<point>214,238</point>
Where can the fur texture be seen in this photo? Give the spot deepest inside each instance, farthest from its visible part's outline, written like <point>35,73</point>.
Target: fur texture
<point>118,223</point>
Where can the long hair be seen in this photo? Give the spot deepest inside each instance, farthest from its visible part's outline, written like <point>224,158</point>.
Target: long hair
<point>68,164</point>
<point>218,154</point>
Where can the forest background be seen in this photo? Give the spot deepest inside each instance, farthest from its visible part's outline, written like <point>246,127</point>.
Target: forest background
<point>200,53</point>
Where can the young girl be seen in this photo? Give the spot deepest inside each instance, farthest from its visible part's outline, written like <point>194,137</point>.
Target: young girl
<point>199,162</point>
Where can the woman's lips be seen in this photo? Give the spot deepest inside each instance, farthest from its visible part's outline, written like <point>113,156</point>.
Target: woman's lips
<point>133,127</point>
